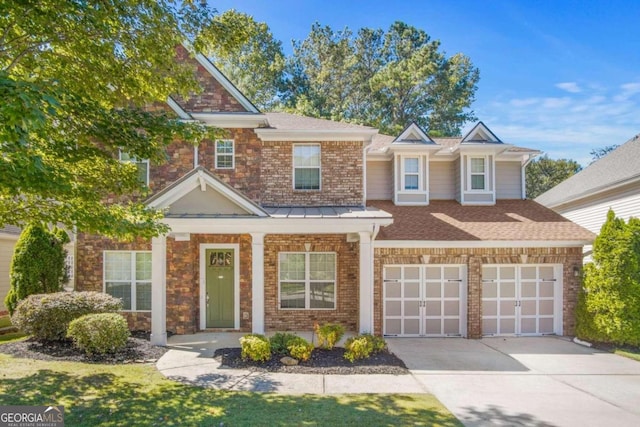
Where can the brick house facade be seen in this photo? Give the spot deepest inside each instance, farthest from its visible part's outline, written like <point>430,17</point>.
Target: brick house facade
<point>291,221</point>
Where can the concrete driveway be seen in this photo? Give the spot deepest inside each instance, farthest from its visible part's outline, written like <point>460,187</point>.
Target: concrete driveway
<point>542,381</point>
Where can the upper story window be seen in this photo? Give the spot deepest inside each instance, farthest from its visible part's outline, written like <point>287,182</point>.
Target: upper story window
<point>478,173</point>
<point>225,158</point>
<point>141,164</point>
<point>306,166</point>
<point>411,174</point>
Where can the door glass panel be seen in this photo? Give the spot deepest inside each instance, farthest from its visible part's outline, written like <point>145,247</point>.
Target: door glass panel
<point>452,273</point>
<point>451,308</point>
<point>412,273</point>
<point>528,326</point>
<point>452,290</point>
<point>392,290</point>
<point>412,326</point>
<point>528,308</point>
<point>507,273</point>
<point>489,326</point>
<point>528,289</point>
<point>393,308</point>
<point>489,308</point>
<point>489,290</point>
<point>412,308</point>
<point>393,326</point>
<point>451,326</point>
<point>412,290</point>
<point>433,327</point>
<point>507,326</point>
<point>546,289</point>
<point>546,326</point>
<point>528,273</point>
<point>393,273</point>
<point>507,289</point>
<point>546,307</point>
<point>433,308</point>
<point>489,273</point>
<point>433,290</point>
<point>433,273</point>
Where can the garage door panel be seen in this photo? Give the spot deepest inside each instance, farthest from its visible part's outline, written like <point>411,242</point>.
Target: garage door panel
<point>529,308</point>
<point>433,308</point>
<point>411,327</point>
<point>452,290</point>
<point>451,308</point>
<point>546,307</point>
<point>529,290</point>
<point>393,273</point>
<point>433,273</point>
<point>393,308</point>
<point>393,290</point>
<point>490,326</point>
<point>412,273</point>
<point>546,325</point>
<point>434,290</point>
<point>507,289</point>
<point>433,327</point>
<point>507,326</point>
<point>412,308</point>
<point>547,289</point>
<point>508,273</point>
<point>412,290</point>
<point>490,289</point>
<point>528,326</point>
<point>507,307</point>
<point>393,326</point>
<point>489,308</point>
<point>451,326</point>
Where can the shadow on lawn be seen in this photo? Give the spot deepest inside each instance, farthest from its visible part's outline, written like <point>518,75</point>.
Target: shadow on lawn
<point>108,399</point>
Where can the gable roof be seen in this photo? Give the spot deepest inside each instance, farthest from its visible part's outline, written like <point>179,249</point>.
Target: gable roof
<point>203,179</point>
<point>619,167</point>
<point>292,127</point>
<point>480,133</point>
<point>508,220</point>
<point>413,134</point>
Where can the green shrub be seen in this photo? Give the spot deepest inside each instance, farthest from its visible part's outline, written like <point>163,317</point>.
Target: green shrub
<point>300,349</point>
<point>255,347</point>
<point>99,333</point>
<point>47,316</point>
<point>38,265</point>
<point>363,346</point>
<point>329,334</point>
<point>609,308</point>
<point>280,342</point>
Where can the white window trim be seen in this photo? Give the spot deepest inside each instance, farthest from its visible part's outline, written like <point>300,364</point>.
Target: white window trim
<point>133,281</point>
<point>485,159</point>
<point>308,281</point>
<point>135,161</point>
<point>233,154</point>
<point>404,174</point>
<point>293,169</point>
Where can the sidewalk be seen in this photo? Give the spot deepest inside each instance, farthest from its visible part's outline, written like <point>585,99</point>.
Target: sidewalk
<point>190,360</point>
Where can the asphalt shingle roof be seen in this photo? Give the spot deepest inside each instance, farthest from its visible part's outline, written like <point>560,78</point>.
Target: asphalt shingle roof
<point>447,220</point>
<point>620,166</point>
<point>279,120</point>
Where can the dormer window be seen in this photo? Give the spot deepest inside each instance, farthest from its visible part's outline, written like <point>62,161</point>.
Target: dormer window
<point>411,174</point>
<point>478,173</point>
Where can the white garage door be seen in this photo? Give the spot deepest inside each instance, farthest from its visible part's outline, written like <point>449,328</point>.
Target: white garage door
<point>424,300</point>
<point>522,299</point>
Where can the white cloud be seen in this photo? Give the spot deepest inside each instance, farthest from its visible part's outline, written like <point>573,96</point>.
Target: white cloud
<point>571,87</point>
<point>628,90</point>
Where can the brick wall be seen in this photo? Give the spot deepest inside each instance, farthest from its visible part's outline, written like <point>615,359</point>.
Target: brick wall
<point>346,312</point>
<point>179,162</point>
<point>341,175</point>
<point>474,259</point>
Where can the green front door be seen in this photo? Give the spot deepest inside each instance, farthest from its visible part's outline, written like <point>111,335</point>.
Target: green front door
<point>219,298</point>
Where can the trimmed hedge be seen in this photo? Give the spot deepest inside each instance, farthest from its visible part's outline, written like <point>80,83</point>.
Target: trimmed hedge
<point>363,346</point>
<point>99,333</point>
<point>300,349</point>
<point>255,347</point>
<point>47,316</point>
<point>329,334</point>
<point>280,342</point>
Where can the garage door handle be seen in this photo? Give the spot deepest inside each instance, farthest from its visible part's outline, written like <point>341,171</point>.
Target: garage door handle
<point>390,281</point>
<point>454,280</point>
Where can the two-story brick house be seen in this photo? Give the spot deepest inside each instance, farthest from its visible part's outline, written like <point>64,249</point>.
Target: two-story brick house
<point>292,221</point>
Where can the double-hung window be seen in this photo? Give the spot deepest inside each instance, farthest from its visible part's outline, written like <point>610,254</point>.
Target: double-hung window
<point>141,164</point>
<point>224,154</point>
<point>478,173</point>
<point>307,280</point>
<point>411,173</point>
<point>127,275</point>
<point>306,166</point>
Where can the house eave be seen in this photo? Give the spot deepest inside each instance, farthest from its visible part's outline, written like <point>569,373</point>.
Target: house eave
<point>316,135</point>
<point>398,244</point>
<point>233,120</point>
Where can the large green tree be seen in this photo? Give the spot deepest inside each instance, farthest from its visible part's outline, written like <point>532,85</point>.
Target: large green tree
<point>75,76</point>
<point>543,174</point>
<point>383,79</point>
<point>256,66</point>
<point>38,265</point>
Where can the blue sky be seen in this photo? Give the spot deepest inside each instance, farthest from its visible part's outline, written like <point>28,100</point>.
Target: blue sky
<point>559,76</point>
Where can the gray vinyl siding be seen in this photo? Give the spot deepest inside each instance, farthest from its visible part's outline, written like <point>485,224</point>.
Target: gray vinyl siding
<point>379,180</point>
<point>442,180</point>
<point>508,180</point>
<point>458,184</point>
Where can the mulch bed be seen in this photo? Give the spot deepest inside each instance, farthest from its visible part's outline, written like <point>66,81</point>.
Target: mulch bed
<point>138,350</point>
<point>321,362</point>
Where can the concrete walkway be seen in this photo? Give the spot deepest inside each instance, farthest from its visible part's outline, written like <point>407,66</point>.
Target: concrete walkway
<point>544,381</point>
<point>190,360</point>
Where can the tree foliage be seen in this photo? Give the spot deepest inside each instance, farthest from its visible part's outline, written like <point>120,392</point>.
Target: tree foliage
<point>609,308</point>
<point>598,153</point>
<point>38,265</point>
<point>256,66</point>
<point>543,174</point>
<point>382,79</point>
<point>75,77</point>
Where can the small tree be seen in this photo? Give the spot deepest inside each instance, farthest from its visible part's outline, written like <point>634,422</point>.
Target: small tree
<point>38,265</point>
<point>609,309</point>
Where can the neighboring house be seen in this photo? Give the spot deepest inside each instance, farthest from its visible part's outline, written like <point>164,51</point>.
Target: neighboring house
<point>8,237</point>
<point>612,182</point>
<point>292,221</point>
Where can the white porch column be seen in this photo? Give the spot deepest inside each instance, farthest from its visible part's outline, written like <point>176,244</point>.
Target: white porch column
<point>257,283</point>
<point>366,283</point>
<point>159,290</point>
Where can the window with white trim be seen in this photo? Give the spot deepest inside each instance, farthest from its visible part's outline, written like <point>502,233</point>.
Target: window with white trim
<point>306,166</point>
<point>141,164</point>
<point>225,154</point>
<point>477,173</point>
<point>411,173</point>
<point>307,280</point>
<point>127,275</point>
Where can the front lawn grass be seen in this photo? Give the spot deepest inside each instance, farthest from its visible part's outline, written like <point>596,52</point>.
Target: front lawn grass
<point>5,321</point>
<point>138,395</point>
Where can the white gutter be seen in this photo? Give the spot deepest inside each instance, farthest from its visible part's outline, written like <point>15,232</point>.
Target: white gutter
<point>524,175</point>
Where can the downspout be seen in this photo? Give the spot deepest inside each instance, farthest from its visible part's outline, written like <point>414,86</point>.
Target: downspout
<point>374,234</point>
<point>524,175</point>
<point>364,175</point>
